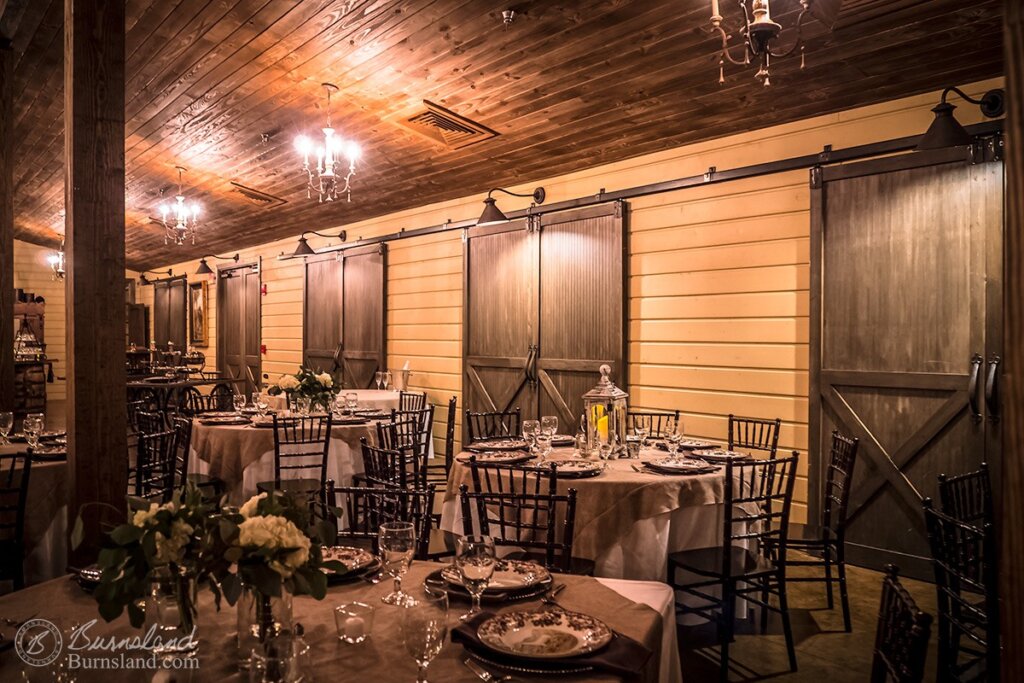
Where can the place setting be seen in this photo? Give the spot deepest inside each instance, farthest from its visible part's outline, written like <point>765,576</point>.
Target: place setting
<point>676,465</point>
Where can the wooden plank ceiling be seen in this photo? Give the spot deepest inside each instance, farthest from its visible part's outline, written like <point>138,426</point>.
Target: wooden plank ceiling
<point>567,85</point>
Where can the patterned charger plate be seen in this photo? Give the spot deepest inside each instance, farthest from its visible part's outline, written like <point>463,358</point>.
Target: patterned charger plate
<point>679,465</point>
<point>508,575</point>
<point>553,634</point>
<point>353,558</point>
<point>720,455</point>
<point>576,469</point>
<point>504,443</point>
<point>498,457</point>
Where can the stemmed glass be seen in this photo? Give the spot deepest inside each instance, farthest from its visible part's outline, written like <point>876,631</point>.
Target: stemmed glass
<point>387,379</point>
<point>531,428</point>
<point>425,628</point>
<point>352,402</point>
<point>6,423</point>
<point>32,426</point>
<point>378,377</point>
<point>475,560</point>
<point>238,401</point>
<point>641,432</point>
<point>675,433</point>
<point>397,541</point>
<point>549,425</point>
<point>260,401</point>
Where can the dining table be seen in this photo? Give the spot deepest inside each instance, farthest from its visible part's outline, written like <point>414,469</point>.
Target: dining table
<point>634,610</point>
<point>627,521</point>
<point>369,399</point>
<point>46,518</point>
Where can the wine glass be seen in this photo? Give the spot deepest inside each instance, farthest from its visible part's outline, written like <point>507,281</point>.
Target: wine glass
<point>425,628</point>
<point>542,444</point>
<point>531,428</point>
<point>675,432</point>
<point>641,431</point>
<point>6,423</point>
<point>549,425</point>
<point>238,401</point>
<point>352,402</point>
<point>31,427</point>
<point>475,560</point>
<point>260,400</point>
<point>387,379</point>
<point>397,542</point>
<point>378,377</point>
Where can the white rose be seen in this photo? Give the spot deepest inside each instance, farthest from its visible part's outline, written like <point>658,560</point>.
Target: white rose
<point>276,532</point>
<point>288,382</point>
<point>249,508</point>
<point>141,517</point>
<point>325,379</point>
<point>172,549</point>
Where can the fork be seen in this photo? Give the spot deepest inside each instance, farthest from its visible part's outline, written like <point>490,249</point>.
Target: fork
<point>483,674</point>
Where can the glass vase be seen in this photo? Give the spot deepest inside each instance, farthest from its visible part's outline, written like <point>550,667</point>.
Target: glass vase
<point>170,609</point>
<point>260,618</point>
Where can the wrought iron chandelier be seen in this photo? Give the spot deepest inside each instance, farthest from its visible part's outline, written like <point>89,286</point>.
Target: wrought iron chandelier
<point>181,221</point>
<point>326,177</point>
<point>759,34</point>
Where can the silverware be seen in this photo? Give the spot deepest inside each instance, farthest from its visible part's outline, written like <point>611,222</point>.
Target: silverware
<point>549,597</point>
<point>483,674</point>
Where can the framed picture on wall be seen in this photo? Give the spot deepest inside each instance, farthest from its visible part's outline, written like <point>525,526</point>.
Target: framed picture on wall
<point>199,334</point>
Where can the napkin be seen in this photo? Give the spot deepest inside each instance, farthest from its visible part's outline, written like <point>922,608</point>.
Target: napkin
<point>621,657</point>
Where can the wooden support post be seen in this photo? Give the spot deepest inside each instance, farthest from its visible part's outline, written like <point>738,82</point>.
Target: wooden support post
<point>1011,515</point>
<point>6,227</point>
<point>94,199</point>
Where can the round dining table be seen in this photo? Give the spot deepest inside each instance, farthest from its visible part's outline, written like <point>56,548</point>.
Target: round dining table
<point>627,521</point>
<point>369,399</point>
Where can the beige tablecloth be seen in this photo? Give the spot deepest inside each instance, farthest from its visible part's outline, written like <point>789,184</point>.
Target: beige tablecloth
<point>244,455</point>
<point>627,521</point>
<point>368,399</point>
<point>46,519</point>
<point>381,658</point>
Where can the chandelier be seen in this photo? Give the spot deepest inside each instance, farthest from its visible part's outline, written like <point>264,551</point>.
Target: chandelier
<point>759,34</point>
<point>56,261</point>
<point>326,178</point>
<point>180,220</point>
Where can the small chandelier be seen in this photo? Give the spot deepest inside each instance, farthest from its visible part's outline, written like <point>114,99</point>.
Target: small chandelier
<point>759,34</point>
<point>325,178</point>
<point>56,261</point>
<point>180,220</point>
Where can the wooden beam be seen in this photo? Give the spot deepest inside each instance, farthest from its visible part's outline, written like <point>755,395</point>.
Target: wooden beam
<point>94,197</point>
<point>6,225</point>
<point>1011,517</point>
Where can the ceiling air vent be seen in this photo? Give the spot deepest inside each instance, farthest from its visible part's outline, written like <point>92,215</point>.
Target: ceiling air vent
<point>448,128</point>
<point>257,197</point>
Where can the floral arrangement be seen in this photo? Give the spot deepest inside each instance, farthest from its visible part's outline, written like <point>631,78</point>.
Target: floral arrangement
<point>318,387</point>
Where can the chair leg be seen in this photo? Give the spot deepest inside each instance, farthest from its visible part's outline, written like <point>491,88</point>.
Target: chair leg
<point>787,627</point>
<point>826,554</point>
<point>764,610</point>
<point>726,628</point>
<point>844,598</point>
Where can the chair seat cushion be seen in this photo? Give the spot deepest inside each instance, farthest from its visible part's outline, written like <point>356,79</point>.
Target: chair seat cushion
<point>710,562</point>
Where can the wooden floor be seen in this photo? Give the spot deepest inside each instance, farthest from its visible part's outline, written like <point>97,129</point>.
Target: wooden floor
<point>825,653</point>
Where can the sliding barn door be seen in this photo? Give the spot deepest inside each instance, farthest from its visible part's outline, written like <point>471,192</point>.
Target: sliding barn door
<point>364,325</point>
<point>582,312</point>
<point>321,314</point>
<point>543,311</point>
<point>500,318</point>
<point>169,313</point>
<point>906,271</point>
<point>238,325</point>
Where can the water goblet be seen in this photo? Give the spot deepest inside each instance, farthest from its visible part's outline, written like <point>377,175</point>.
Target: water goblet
<point>31,426</point>
<point>475,560</point>
<point>549,425</point>
<point>397,543</point>
<point>6,423</point>
<point>641,433</point>
<point>238,401</point>
<point>352,402</point>
<point>543,446</point>
<point>531,428</point>
<point>425,628</point>
<point>261,404</point>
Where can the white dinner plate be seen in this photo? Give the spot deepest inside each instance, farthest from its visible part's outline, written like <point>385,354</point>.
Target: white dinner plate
<point>552,634</point>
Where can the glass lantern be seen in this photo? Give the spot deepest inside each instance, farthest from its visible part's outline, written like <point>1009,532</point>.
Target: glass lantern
<point>604,417</point>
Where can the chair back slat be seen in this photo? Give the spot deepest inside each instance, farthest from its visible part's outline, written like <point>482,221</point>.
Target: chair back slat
<point>154,466</point>
<point>487,425</point>
<point>657,424</point>
<point>449,433</point>
<point>386,467</point>
<point>838,480</point>
<point>751,433</point>
<point>968,497</point>
<point>901,638</point>
<point>512,479</point>
<point>409,433</point>
<point>301,444</point>
<point>360,511</point>
<point>412,400</point>
<point>150,422</point>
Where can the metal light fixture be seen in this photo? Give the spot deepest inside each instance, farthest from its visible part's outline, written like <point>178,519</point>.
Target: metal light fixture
<point>204,268</point>
<point>759,34</point>
<point>180,220</point>
<point>303,249</point>
<point>56,261</point>
<point>946,131</point>
<point>492,214</point>
<point>325,178</point>
<point>143,280</point>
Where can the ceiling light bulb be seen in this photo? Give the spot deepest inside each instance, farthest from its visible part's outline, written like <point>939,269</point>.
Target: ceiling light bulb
<point>352,151</point>
<point>303,145</point>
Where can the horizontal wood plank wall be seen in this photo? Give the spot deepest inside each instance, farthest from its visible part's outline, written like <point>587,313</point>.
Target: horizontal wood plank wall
<point>32,273</point>
<point>718,301</point>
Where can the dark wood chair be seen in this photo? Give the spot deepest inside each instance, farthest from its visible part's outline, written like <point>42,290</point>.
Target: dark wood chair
<point>211,487</point>
<point>364,509</point>
<point>154,466</point>
<point>488,425</point>
<point>194,403</point>
<point>830,545</point>
<point>657,423</point>
<point>964,559</point>
<point>754,434</point>
<point>410,434</point>
<point>968,497</point>
<point>412,400</point>
<point>437,473</point>
<point>750,563</point>
<point>384,467</point>
<point>300,447</point>
<point>494,478</point>
<point>528,522</point>
<point>901,638</point>
<point>15,473</point>
<point>150,422</point>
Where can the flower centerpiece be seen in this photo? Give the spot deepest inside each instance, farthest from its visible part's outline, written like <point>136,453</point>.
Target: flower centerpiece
<point>319,388</point>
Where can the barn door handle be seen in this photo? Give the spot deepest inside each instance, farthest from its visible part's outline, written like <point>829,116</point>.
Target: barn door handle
<point>992,389</point>
<point>531,351</point>
<point>972,386</point>
<point>337,355</point>
<point>533,365</point>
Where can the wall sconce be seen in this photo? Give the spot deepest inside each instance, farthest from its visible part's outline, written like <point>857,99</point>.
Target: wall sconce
<point>303,249</point>
<point>204,268</point>
<point>56,261</point>
<point>493,215</point>
<point>143,280</point>
<point>946,131</point>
